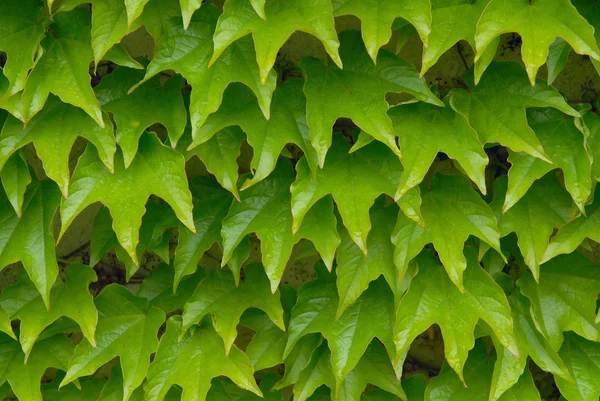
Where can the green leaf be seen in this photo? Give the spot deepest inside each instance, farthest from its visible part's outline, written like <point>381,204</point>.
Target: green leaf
<point>355,271</point>
<point>15,179</point>
<point>373,368</point>
<point>530,343</point>
<point>24,379</point>
<point>496,107</point>
<point>30,238</point>
<point>219,154</point>
<point>90,391</point>
<point>217,295</point>
<point>266,348</point>
<point>5,326</point>
<point>545,207</point>
<point>564,140</point>
<point>211,204</point>
<point>268,138</point>
<point>453,21</point>
<point>194,50</point>
<point>558,56</point>
<point>265,210</point>
<point>425,130</point>
<point>452,211</point>
<point>127,328</point>
<point>119,55</point>
<point>159,16</point>
<point>53,149</point>
<point>113,389</point>
<point>316,374</point>
<point>21,33</point>
<point>583,359</point>
<point>538,25</point>
<point>226,390</point>
<point>109,23</point>
<point>298,359</point>
<point>154,236</point>
<point>564,299</point>
<point>592,123</point>
<point>151,103</point>
<point>329,97</point>
<point>448,386</point>
<point>70,298</point>
<point>572,234</point>
<point>62,69</point>
<point>156,170</point>
<point>349,335</point>
<point>157,288</point>
<point>377,16</point>
<point>270,31</point>
<point>354,180</point>
<point>186,363</point>
<point>432,299</point>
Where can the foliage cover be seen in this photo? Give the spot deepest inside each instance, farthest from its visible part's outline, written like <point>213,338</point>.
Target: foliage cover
<point>464,211</point>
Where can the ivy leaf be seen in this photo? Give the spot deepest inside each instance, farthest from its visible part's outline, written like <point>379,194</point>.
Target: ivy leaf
<point>127,328</point>
<point>15,178</point>
<point>373,368</point>
<point>538,25</point>
<point>583,359</point>
<point>432,299</point>
<point>186,363</point>
<point>90,391</point>
<point>298,359</point>
<point>154,236</point>
<point>265,210</point>
<point>70,298</point>
<point>271,30</point>
<point>134,9</point>
<point>63,67</point>
<point>508,369</point>
<point>53,131</point>
<point>377,17</point>
<point>496,107</point>
<point>156,169</point>
<point>226,390</point>
<point>316,374</point>
<point>268,138</point>
<point>159,15</point>
<point>354,180</point>
<point>266,348</point>
<point>564,140</point>
<point>365,104</point>
<point>452,211</point>
<point>350,335</point>
<point>219,154</point>
<point>218,295</point>
<point>355,271</point>
<point>425,130</point>
<point>545,206</point>
<point>451,22</point>
<point>30,239</point>
<point>572,234</point>
<point>5,326</point>
<point>558,56</point>
<point>24,378</point>
<point>149,104</point>
<point>113,389</point>
<point>564,299</point>
<point>21,33</point>
<point>447,386</point>
<point>195,48</point>
<point>109,23</point>
<point>211,204</point>
<point>157,288</point>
